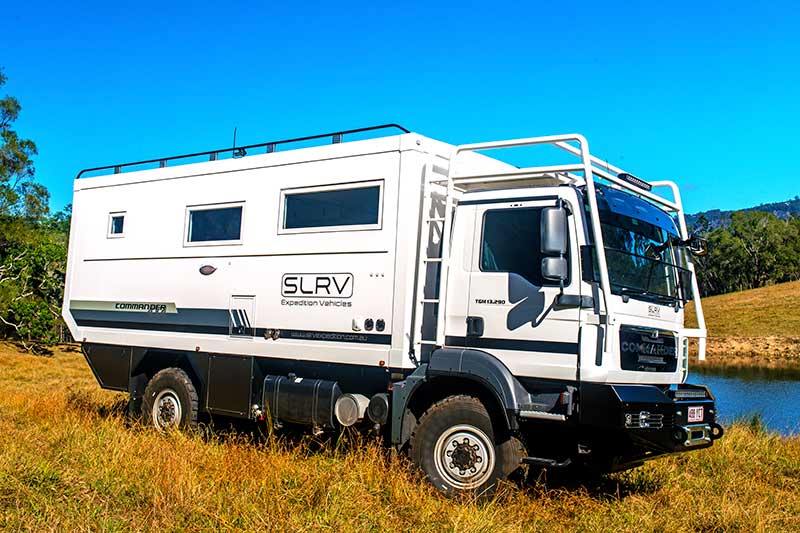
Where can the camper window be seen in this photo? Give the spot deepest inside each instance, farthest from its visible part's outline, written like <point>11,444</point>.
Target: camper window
<point>116,225</point>
<point>332,208</point>
<point>214,224</point>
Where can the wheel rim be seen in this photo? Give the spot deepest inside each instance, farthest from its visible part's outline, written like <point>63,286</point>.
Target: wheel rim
<point>167,409</point>
<point>464,456</point>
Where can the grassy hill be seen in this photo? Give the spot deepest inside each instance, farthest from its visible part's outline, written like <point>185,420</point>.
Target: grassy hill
<point>773,310</point>
<point>759,327</point>
<point>70,461</point>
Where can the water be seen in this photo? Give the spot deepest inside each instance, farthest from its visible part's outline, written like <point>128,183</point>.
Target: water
<point>743,393</point>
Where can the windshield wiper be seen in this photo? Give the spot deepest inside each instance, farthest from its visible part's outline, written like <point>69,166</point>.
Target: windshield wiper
<point>660,298</point>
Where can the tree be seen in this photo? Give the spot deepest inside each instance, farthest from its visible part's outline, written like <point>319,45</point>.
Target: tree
<point>20,195</point>
<point>32,243</point>
<point>754,250</point>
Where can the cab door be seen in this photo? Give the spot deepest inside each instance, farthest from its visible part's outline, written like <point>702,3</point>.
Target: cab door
<point>512,312</point>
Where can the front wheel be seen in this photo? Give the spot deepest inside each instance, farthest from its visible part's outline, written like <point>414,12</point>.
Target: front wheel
<point>455,445</point>
<point>170,400</point>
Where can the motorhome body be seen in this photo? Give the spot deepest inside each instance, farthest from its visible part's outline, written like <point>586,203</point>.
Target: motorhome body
<point>460,303</point>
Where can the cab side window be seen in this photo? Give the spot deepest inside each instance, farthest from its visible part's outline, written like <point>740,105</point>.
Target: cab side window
<point>511,242</point>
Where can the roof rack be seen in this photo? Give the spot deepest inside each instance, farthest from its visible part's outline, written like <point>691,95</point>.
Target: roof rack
<point>241,151</point>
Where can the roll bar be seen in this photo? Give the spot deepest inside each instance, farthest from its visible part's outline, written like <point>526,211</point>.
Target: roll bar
<point>589,167</point>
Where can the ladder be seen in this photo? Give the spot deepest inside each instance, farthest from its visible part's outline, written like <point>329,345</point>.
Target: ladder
<point>432,260</point>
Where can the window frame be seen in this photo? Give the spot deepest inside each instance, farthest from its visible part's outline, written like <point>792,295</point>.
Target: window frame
<point>545,283</point>
<point>208,207</point>
<point>282,230</point>
<point>109,229</point>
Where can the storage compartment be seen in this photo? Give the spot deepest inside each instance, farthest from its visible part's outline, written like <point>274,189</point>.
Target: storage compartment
<point>229,381</point>
<point>110,364</point>
<point>301,401</point>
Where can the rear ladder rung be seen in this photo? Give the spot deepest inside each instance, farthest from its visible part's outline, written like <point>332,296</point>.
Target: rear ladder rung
<point>429,301</point>
<point>432,260</point>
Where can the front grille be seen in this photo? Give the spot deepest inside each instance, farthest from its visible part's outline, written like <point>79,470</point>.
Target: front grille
<point>647,349</point>
<point>644,420</point>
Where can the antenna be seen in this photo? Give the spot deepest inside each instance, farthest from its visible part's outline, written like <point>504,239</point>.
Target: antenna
<point>241,152</point>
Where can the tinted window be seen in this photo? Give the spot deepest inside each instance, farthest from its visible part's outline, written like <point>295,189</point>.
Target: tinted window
<point>512,243</point>
<point>117,224</point>
<point>343,207</point>
<point>223,224</point>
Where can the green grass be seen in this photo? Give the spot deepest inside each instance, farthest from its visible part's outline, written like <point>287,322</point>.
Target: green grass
<point>69,460</point>
<point>755,329</point>
<point>769,311</point>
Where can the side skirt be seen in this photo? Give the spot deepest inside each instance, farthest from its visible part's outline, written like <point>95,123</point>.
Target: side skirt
<point>228,384</point>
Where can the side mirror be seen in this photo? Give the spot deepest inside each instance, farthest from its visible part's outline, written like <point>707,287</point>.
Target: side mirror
<point>554,231</point>
<point>698,246</point>
<point>686,284</point>
<point>555,269</point>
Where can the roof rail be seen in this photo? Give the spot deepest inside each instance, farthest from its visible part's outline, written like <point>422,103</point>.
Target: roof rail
<point>241,151</point>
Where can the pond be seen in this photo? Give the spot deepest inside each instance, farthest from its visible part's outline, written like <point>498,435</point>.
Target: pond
<point>743,393</point>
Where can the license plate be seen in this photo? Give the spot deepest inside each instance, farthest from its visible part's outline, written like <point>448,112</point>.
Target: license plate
<point>695,414</point>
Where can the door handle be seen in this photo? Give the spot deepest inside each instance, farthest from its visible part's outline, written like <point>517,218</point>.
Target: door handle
<point>574,300</point>
<point>474,326</point>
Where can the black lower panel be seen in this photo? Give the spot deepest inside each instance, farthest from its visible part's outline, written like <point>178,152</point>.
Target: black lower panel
<point>230,380</point>
<point>227,383</point>
<point>110,364</point>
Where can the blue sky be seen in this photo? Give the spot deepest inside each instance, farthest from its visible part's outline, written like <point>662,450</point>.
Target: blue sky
<point>705,93</point>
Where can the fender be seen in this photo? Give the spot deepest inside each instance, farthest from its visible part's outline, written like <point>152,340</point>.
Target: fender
<point>473,365</point>
<point>486,369</point>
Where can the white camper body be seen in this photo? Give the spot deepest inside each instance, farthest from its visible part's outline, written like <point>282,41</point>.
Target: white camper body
<point>328,264</point>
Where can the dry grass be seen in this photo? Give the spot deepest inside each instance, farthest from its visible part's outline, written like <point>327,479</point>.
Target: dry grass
<point>70,461</point>
<point>755,328</point>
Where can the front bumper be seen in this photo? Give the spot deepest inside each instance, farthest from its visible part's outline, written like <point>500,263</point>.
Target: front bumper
<point>649,420</point>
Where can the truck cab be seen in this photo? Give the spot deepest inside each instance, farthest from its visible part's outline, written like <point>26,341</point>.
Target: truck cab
<point>566,293</point>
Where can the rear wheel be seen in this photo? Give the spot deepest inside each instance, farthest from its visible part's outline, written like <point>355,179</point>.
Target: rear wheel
<point>456,446</point>
<point>170,400</point>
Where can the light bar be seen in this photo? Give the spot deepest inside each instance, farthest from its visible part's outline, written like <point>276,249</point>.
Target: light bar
<point>690,394</point>
<point>633,180</point>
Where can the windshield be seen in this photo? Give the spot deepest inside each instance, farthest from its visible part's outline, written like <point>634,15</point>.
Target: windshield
<point>641,259</point>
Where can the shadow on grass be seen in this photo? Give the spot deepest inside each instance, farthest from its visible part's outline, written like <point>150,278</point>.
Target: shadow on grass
<point>224,429</point>
<point>31,349</point>
<point>260,434</point>
<point>604,487</point>
<point>82,401</point>
<point>71,348</point>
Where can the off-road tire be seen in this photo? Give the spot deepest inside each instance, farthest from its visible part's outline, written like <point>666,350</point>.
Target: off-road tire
<point>445,425</point>
<point>170,391</point>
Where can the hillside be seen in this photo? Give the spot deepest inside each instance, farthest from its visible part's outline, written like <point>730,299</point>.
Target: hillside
<point>69,461</point>
<point>717,217</point>
<point>759,327</point>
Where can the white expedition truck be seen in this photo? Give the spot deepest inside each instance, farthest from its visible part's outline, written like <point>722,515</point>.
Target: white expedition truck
<point>481,315</point>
